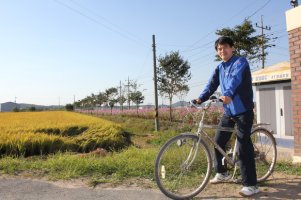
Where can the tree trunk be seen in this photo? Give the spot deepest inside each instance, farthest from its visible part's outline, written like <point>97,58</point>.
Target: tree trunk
<point>170,109</point>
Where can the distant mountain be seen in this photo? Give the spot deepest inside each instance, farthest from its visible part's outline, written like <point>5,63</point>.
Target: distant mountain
<point>9,106</point>
<point>180,104</point>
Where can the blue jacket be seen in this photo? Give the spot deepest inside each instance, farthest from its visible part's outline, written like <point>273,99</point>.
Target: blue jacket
<point>234,77</point>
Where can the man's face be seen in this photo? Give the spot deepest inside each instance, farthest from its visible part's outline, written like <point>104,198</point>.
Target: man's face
<point>225,52</point>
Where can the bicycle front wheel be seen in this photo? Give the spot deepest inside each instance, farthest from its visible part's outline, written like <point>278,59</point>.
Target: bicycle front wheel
<point>265,153</point>
<point>183,167</point>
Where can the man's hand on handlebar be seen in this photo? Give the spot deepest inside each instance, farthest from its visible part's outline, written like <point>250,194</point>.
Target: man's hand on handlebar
<point>197,101</point>
<point>225,99</point>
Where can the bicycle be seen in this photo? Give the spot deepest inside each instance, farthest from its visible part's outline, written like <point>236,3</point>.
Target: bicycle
<point>184,163</point>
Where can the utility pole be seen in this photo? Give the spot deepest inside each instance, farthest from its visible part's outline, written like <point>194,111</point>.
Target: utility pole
<point>262,37</point>
<point>120,98</point>
<point>16,107</point>
<point>157,127</point>
<point>128,85</point>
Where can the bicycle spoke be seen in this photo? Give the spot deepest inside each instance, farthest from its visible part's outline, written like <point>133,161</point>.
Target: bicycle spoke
<point>186,174</point>
<point>265,153</point>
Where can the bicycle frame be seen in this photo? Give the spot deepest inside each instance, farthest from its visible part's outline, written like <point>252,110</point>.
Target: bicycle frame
<point>201,133</point>
<point>187,155</point>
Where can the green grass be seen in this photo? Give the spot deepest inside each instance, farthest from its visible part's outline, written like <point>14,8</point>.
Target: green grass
<point>134,162</point>
<point>131,162</point>
<point>288,168</point>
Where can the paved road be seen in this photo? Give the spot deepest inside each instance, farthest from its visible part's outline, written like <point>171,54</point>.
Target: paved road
<point>27,189</point>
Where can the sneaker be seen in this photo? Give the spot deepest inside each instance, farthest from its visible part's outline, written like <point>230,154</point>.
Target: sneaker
<point>249,191</point>
<point>220,178</point>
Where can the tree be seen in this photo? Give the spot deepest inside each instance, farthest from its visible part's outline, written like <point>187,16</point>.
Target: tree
<point>101,98</point>
<point>137,98</point>
<point>173,74</point>
<point>121,100</point>
<point>89,101</point>
<point>16,109</point>
<point>77,104</point>
<point>69,107</point>
<point>32,109</point>
<point>111,95</point>
<point>247,44</point>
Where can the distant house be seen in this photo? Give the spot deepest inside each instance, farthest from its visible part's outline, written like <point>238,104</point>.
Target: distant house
<point>7,107</point>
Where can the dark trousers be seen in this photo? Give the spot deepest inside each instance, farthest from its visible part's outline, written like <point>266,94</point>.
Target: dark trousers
<point>244,123</point>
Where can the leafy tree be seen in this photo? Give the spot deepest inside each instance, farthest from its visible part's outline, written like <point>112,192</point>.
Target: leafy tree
<point>173,74</point>
<point>246,43</point>
<point>32,109</point>
<point>111,95</point>
<point>77,104</point>
<point>137,98</point>
<point>69,107</point>
<point>101,98</point>
<point>16,109</point>
<point>121,100</point>
<point>89,101</point>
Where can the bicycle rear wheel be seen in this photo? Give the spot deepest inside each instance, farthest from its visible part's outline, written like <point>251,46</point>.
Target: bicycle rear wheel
<point>265,153</point>
<point>183,167</point>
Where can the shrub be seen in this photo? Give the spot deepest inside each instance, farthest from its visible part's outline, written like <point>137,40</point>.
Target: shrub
<point>69,107</point>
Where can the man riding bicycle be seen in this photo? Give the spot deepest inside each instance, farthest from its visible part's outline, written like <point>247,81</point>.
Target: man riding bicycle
<point>234,77</point>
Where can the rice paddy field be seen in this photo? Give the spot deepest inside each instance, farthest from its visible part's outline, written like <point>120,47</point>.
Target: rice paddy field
<point>40,133</point>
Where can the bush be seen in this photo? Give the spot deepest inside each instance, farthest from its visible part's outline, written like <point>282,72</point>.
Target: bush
<point>69,107</point>
<point>32,109</point>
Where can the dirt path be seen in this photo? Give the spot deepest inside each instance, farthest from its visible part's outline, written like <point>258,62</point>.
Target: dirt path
<point>281,186</point>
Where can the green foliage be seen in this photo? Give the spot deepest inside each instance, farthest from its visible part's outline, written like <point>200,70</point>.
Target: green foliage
<point>16,109</point>
<point>32,109</point>
<point>173,75</point>
<point>111,95</point>
<point>246,43</point>
<point>69,107</point>
<point>101,98</point>
<point>137,98</point>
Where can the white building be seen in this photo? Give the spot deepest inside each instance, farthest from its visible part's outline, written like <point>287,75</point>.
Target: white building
<point>273,100</point>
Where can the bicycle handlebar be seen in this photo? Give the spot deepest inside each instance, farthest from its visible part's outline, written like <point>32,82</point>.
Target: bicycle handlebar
<point>212,99</point>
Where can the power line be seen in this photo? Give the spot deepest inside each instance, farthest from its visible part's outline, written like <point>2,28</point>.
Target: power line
<point>100,23</point>
<point>227,21</point>
<point>259,9</point>
<point>108,21</point>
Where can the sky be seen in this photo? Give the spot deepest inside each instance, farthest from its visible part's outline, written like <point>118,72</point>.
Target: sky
<point>53,52</point>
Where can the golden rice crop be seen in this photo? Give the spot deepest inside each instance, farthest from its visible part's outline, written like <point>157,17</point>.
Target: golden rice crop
<point>32,133</point>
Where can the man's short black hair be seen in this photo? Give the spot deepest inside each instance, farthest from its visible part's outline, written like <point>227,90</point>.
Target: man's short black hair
<point>224,40</point>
